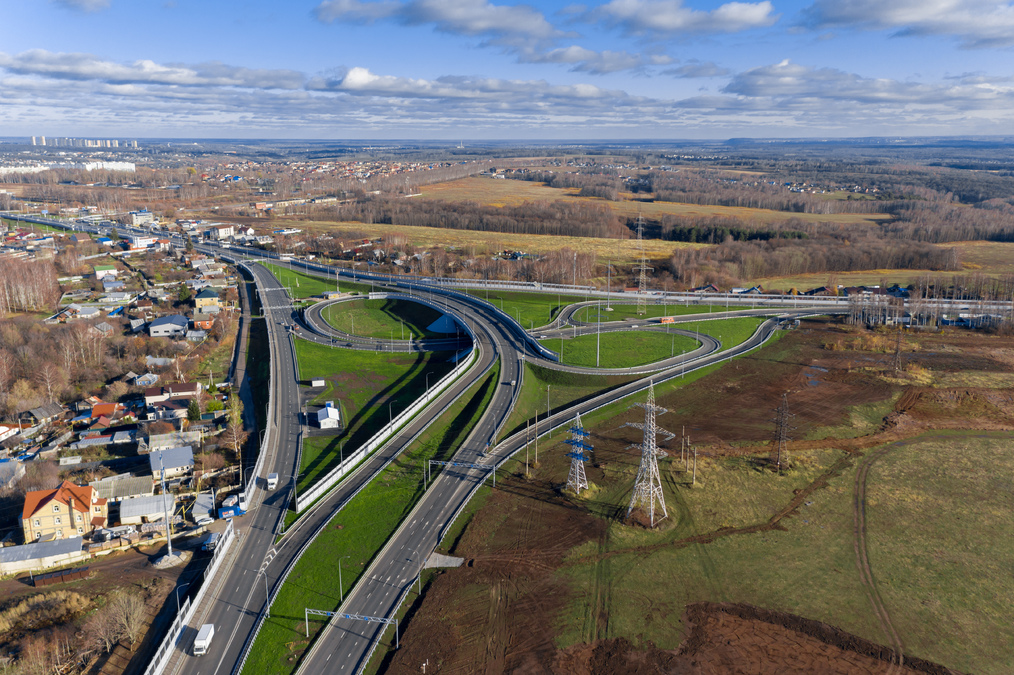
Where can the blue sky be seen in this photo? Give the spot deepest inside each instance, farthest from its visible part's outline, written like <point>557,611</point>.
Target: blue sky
<point>494,69</point>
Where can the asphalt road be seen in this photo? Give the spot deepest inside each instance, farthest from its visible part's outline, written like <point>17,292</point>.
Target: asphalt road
<point>238,592</point>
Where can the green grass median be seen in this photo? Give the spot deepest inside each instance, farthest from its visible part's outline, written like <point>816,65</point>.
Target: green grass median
<point>371,388</point>
<point>620,350</point>
<point>384,319</point>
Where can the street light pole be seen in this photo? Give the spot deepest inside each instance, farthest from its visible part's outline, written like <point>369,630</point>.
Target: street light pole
<point>180,588</point>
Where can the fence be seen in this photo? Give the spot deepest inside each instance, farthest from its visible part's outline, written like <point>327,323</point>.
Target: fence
<point>169,643</point>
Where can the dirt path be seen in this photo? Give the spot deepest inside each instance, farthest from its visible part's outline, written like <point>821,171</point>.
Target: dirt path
<point>863,560</point>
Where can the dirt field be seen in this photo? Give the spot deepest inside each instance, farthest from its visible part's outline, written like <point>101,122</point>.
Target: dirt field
<point>130,569</point>
<point>554,584</point>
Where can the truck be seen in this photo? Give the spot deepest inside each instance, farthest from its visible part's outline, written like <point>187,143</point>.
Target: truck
<point>212,541</point>
<point>272,481</point>
<point>203,639</point>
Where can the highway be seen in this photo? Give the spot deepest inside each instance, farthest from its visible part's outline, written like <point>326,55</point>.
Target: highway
<point>345,645</point>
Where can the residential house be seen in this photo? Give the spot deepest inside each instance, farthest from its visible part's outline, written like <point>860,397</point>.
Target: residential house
<point>220,232</point>
<point>146,380</point>
<point>124,486</point>
<point>196,335</point>
<point>46,413</point>
<point>103,329</point>
<point>207,301</point>
<point>7,432</point>
<point>141,240</point>
<point>105,271</point>
<point>177,390</point>
<point>119,298</point>
<point>173,461</point>
<point>168,410</point>
<point>157,361</point>
<point>203,321</point>
<point>69,510</point>
<point>109,285</point>
<point>137,325</point>
<point>174,325</point>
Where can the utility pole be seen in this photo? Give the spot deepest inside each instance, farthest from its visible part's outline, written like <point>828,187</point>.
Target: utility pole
<point>782,428</point>
<point>642,281</point>
<point>897,351</point>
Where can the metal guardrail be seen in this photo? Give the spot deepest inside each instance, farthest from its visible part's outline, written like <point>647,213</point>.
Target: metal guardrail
<point>166,650</point>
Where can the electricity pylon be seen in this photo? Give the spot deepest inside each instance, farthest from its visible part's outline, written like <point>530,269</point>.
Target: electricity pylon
<point>577,480</point>
<point>648,485</point>
<point>643,267</point>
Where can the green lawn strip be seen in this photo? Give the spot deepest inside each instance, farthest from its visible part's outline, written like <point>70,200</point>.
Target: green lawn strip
<point>360,530</point>
<point>304,285</point>
<point>530,309</point>
<point>807,568</point>
<point>621,312</point>
<point>370,388</point>
<point>620,349</point>
<point>564,390</point>
<point>384,319</point>
<point>938,508</point>
<point>731,332</point>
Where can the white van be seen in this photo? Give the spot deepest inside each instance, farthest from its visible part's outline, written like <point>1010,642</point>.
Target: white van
<point>272,481</point>
<point>203,639</point>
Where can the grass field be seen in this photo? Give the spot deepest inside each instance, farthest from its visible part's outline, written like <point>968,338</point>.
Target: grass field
<point>370,388</point>
<point>356,535</point>
<point>620,350</point>
<point>384,319</point>
<point>514,192</point>
<point>623,311</point>
<point>531,310</point>
<point>938,507</point>
<point>932,535</point>
<point>620,252</point>
<point>302,285</point>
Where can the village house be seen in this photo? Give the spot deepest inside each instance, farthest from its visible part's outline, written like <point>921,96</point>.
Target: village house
<point>207,301</point>
<point>174,461</point>
<point>69,510</point>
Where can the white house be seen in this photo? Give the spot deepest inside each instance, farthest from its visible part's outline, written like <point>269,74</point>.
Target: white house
<point>329,417</point>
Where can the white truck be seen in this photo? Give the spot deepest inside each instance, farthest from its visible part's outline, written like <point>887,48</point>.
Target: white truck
<point>203,639</point>
<point>272,481</point>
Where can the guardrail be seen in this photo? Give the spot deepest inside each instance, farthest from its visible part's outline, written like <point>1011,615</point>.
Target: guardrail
<point>251,485</point>
<point>378,439</point>
<point>166,650</point>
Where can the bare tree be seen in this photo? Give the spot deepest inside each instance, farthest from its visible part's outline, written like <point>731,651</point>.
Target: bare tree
<point>130,613</point>
<point>51,377</point>
<point>103,629</point>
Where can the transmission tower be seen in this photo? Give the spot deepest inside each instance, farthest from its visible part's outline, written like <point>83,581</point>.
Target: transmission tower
<point>648,485</point>
<point>577,480</point>
<point>782,429</point>
<point>642,280</point>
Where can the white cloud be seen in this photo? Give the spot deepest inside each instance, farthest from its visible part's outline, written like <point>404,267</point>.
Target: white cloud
<point>72,66</point>
<point>790,82</point>
<point>593,62</point>
<point>976,23</point>
<point>662,17</point>
<point>696,69</point>
<point>354,11</point>
<point>460,17</point>
<point>84,5</point>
